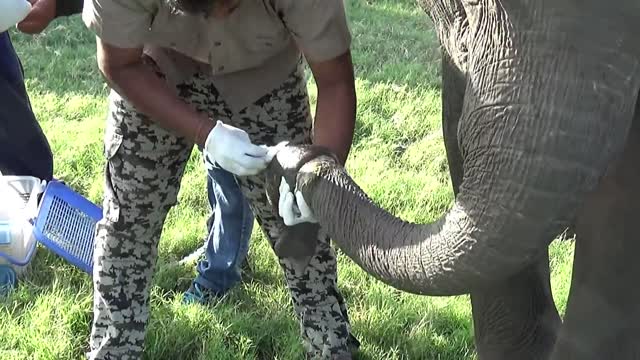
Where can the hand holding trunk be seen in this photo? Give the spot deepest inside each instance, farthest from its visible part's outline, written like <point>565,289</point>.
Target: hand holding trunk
<point>293,209</point>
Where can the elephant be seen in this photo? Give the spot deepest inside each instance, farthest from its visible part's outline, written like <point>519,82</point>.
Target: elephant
<point>541,124</point>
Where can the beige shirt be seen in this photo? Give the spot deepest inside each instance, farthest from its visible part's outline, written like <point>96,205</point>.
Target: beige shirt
<point>248,54</point>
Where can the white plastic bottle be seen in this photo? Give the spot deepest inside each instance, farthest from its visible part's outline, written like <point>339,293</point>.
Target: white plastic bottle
<point>12,12</point>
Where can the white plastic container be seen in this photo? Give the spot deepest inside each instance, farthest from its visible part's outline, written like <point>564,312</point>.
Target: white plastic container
<point>18,205</point>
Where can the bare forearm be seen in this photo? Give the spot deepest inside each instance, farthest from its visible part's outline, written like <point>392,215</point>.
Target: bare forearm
<point>335,118</point>
<point>152,96</point>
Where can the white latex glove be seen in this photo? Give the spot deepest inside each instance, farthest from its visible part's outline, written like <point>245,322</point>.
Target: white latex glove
<point>232,149</point>
<point>293,211</point>
<point>12,12</point>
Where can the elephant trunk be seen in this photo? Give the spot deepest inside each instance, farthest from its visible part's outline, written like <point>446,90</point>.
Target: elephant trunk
<point>535,140</point>
<point>407,256</point>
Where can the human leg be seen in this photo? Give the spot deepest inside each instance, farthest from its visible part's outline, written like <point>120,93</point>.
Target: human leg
<point>24,149</point>
<point>142,176</point>
<point>282,115</point>
<point>231,222</point>
<point>144,168</point>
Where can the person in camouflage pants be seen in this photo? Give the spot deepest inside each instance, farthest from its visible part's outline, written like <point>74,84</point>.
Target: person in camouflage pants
<point>145,164</point>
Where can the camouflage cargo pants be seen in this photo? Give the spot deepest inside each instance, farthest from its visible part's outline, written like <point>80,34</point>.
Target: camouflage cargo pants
<point>145,164</point>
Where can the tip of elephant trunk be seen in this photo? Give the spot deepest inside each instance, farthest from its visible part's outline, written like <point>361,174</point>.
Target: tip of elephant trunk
<point>298,241</point>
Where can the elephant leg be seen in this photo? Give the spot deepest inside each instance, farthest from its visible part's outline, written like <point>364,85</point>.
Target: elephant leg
<point>602,320</point>
<point>516,318</point>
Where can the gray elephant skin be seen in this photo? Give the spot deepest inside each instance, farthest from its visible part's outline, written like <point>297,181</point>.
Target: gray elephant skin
<point>541,124</point>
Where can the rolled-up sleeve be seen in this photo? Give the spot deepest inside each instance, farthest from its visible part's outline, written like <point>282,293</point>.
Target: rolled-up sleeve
<point>121,23</point>
<point>319,27</point>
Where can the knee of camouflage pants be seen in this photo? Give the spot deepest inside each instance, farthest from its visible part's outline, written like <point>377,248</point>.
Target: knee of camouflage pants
<point>317,301</point>
<point>281,115</point>
<point>142,175</point>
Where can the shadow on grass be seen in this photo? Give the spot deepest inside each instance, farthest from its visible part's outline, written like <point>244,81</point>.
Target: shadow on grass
<point>249,324</point>
<point>47,268</point>
<point>253,321</point>
<point>446,337</point>
<point>224,330</point>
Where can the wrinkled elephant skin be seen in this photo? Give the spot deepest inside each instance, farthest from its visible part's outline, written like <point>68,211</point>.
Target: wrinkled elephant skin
<point>542,132</point>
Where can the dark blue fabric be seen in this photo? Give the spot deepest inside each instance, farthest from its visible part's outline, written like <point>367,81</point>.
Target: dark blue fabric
<point>24,150</point>
<point>229,227</point>
<point>9,64</point>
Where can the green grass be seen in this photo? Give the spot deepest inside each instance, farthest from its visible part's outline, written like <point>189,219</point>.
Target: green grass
<point>398,158</point>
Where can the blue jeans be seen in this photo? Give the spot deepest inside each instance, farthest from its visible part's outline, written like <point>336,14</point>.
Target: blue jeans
<point>229,227</point>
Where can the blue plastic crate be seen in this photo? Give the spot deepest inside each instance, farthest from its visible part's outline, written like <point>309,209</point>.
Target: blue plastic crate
<point>66,224</point>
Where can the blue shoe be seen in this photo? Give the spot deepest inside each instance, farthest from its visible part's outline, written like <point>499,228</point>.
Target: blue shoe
<point>198,294</point>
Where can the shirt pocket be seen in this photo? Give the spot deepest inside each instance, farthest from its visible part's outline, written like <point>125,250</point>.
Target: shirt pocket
<point>267,41</point>
<point>265,34</point>
<point>180,32</point>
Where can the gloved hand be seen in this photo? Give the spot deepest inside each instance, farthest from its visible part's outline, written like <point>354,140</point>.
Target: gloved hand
<point>12,12</point>
<point>232,149</point>
<point>293,211</point>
